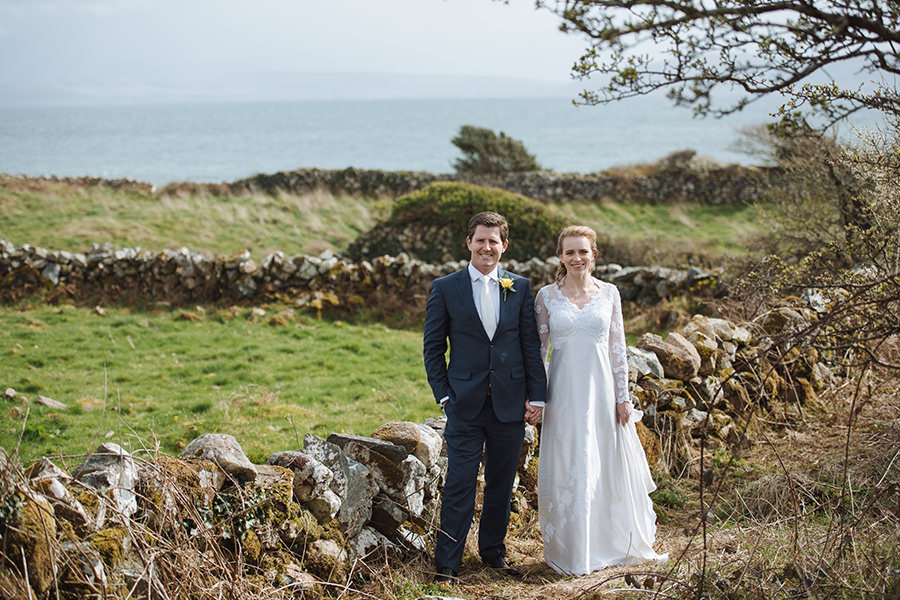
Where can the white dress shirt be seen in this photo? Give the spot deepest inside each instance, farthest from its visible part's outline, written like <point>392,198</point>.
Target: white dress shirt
<point>478,281</point>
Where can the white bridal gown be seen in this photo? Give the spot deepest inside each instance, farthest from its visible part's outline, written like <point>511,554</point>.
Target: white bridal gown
<point>593,478</point>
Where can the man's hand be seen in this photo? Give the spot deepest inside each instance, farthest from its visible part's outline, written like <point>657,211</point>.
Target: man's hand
<point>533,413</point>
<point>623,412</point>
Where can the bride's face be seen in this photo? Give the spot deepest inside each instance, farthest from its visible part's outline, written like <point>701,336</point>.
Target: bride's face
<point>577,255</point>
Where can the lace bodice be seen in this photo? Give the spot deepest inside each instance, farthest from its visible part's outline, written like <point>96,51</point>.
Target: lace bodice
<point>600,320</point>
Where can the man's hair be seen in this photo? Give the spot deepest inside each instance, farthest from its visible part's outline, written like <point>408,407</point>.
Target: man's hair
<point>489,219</point>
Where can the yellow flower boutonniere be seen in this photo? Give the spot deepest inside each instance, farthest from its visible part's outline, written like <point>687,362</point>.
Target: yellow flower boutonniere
<point>506,284</point>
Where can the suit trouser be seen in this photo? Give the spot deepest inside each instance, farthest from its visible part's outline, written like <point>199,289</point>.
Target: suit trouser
<point>502,444</point>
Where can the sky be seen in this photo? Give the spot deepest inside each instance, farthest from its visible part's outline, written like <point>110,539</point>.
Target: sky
<point>60,51</point>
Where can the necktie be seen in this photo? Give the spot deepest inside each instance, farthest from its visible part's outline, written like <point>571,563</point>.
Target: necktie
<point>487,307</point>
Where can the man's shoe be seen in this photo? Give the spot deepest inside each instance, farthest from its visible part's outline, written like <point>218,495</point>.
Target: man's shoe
<point>445,575</point>
<point>500,564</point>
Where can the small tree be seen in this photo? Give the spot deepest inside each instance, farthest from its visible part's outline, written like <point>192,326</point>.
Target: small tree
<point>486,153</point>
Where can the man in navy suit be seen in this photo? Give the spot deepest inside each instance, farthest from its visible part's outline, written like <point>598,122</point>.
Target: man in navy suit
<point>494,382</point>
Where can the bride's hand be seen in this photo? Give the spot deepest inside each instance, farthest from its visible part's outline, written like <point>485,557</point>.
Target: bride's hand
<point>623,412</point>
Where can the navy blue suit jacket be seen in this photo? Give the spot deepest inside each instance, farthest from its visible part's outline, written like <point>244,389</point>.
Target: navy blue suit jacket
<point>509,364</point>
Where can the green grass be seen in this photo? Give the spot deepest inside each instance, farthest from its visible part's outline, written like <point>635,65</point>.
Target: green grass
<point>671,229</point>
<point>137,377</point>
<point>59,216</point>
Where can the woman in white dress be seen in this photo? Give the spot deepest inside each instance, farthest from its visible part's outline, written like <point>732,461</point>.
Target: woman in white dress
<point>593,478</point>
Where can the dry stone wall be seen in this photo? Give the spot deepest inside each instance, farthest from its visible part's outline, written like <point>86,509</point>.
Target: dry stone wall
<point>674,179</point>
<point>328,281</point>
<point>118,523</point>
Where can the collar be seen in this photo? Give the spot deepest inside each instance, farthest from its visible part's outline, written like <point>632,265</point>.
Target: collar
<point>475,274</point>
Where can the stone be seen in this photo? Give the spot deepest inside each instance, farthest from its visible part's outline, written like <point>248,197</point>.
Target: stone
<point>418,439</point>
<point>694,420</point>
<point>706,348</point>
<point>311,478</point>
<point>643,363</point>
<point>30,535</point>
<point>84,564</point>
<point>677,361</point>
<point>393,452</point>
<point>325,506</point>
<point>707,392</point>
<point>401,482</point>
<point>111,468</point>
<point>331,456</point>
<point>65,505</point>
<point>51,403</point>
<point>367,542</point>
<point>387,515</point>
<point>356,507</point>
<point>650,443</point>
<point>292,576</point>
<point>676,339</point>
<point>224,450</point>
<point>727,331</point>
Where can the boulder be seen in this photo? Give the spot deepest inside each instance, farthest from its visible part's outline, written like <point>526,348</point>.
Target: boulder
<point>677,360</point>
<point>387,515</point>
<point>224,450</point>
<point>367,542</point>
<point>418,439</point>
<point>325,506</point>
<point>643,363</point>
<point>111,468</point>
<point>393,452</point>
<point>401,482</point>
<point>311,478</point>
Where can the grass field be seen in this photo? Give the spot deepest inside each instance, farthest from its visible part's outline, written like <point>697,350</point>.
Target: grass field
<point>59,216</point>
<point>169,376</point>
<point>153,376</point>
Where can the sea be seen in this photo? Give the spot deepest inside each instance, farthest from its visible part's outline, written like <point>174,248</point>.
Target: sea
<point>221,142</point>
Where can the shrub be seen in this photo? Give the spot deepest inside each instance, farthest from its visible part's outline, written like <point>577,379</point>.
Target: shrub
<point>430,224</point>
<point>486,153</point>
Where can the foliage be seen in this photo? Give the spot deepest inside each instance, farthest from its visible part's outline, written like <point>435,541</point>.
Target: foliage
<point>852,258</point>
<point>486,153</point>
<point>701,49</point>
<point>431,224</point>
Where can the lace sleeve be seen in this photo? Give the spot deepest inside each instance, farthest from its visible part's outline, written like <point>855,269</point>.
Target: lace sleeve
<point>618,356</point>
<point>542,317</point>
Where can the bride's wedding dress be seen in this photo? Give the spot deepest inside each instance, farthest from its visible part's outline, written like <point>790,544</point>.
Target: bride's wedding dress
<point>593,478</point>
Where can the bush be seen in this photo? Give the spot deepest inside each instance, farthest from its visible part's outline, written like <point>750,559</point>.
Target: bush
<point>486,153</point>
<point>430,224</point>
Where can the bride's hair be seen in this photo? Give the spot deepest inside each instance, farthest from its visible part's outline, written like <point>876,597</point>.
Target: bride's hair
<point>575,231</point>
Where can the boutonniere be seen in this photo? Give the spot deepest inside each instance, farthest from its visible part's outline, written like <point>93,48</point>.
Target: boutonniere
<point>506,284</point>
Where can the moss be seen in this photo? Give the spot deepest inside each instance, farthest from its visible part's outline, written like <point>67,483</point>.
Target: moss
<point>32,535</point>
<point>333,531</point>
<point>111,544</point>
<point>277,495</point>
<point>89,500</point>
<point>252,546</point>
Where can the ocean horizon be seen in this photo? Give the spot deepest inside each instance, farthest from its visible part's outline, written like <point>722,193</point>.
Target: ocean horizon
<point>221,142</point>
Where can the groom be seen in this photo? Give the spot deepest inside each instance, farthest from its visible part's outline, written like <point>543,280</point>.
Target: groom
<point>487,390</point>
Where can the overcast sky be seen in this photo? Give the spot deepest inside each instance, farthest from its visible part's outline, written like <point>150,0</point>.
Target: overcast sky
<point>129,50</point>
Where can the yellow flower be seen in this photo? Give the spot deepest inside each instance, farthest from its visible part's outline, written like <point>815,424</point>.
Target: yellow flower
<point>506,284</point>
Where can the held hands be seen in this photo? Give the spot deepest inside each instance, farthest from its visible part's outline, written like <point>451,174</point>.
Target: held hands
<point>533,413</point>
<point>623,412</point>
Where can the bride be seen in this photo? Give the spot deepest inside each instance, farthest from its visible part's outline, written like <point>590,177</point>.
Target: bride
<point>593,478</point>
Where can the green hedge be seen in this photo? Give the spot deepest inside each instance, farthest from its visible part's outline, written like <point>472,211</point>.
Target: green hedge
<point>430,224</point>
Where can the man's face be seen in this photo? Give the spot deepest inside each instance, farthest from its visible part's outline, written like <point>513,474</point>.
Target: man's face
<point>486,248</point>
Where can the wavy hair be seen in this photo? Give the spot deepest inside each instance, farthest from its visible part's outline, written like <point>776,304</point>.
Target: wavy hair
<point>575,231</point>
